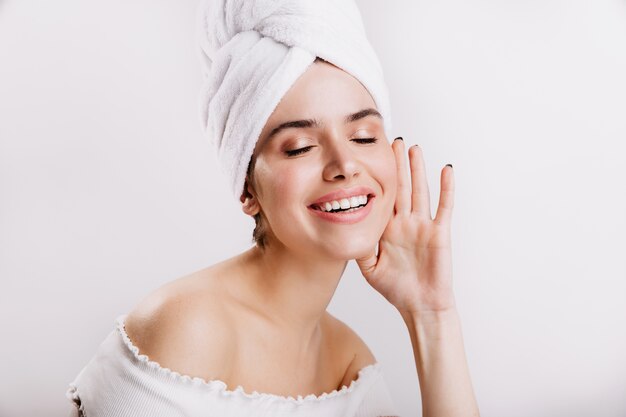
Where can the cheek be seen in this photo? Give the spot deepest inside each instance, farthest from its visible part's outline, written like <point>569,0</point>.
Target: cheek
<point>286,184</point>
<point>386,170</point>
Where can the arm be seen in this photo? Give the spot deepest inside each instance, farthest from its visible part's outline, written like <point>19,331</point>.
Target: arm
<point>441,364</point>
<point>413,271</point>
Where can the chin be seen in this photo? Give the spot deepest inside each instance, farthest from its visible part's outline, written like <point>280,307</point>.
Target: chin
<point>346,251</point>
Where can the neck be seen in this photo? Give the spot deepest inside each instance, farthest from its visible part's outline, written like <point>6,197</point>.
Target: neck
<point>290,290</point>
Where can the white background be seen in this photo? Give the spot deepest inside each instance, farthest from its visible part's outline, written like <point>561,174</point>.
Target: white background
<point>108,189</point>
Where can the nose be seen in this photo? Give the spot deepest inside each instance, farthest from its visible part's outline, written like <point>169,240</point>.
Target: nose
<point>340,158</point>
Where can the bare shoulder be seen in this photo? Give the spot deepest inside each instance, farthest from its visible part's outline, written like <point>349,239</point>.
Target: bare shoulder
<point>182,326</point>
<point>358,354</point>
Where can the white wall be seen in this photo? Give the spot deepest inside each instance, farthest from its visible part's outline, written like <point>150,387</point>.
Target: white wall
<point>108,188</point>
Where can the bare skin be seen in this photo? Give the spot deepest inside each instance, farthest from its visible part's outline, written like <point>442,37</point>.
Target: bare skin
<point>210,325</point>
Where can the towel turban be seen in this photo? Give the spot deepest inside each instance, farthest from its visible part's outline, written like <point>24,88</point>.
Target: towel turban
<point>253,51</point>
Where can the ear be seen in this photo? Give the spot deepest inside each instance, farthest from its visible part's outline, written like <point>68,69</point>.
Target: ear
<point>249,201</point>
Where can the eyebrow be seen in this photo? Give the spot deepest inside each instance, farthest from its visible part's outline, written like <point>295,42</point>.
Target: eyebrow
<point>301,124</point>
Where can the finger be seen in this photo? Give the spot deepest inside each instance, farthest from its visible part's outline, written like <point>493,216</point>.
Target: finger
<point>367,264</point>
<point>404,191</point>
<point>420,195</point>
<point>446,196</point>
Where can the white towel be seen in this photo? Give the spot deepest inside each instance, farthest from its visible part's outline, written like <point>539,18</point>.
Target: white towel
<point>253,51</point>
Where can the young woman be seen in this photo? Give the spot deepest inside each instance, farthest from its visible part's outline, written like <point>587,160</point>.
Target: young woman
<point>251,335</point>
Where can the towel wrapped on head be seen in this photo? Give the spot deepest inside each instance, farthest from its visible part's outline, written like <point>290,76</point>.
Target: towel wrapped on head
<point>253,51</point>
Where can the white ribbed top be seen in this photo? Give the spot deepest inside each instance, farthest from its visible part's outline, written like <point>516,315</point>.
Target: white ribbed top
<point>119,381</point>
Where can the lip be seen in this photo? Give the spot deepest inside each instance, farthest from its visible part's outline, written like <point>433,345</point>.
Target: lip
<point>345,218</point>
<point>345,193</point>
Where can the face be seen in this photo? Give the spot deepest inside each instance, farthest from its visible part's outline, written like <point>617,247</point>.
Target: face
<point>299,164</point>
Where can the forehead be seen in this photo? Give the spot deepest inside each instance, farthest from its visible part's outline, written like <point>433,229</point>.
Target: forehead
<point>323,92</point>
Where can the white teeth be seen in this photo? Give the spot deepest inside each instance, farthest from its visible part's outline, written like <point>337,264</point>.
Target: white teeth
<point>344,203</point>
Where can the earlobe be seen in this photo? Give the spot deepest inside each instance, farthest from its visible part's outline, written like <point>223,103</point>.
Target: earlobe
<point>250,206</point>
<point>249,202</point>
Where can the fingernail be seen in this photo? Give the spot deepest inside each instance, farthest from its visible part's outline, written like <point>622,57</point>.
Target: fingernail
<point>399,137</point>
<point>449,165</point>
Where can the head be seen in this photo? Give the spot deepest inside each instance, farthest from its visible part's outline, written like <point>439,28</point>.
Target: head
<point>281,184</point>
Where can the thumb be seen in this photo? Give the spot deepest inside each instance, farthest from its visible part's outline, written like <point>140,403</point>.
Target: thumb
<point>367,263</point>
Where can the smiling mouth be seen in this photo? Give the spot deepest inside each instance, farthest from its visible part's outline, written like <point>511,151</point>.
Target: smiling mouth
<point>340,210</point>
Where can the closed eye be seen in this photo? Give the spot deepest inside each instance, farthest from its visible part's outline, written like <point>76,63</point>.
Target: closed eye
<point>298,151</point>
<point>307,148</point>
<point>366,140</point>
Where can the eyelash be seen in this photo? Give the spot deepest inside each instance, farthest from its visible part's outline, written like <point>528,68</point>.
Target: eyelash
<point>306,149</point>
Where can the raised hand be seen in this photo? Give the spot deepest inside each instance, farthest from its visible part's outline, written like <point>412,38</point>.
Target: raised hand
<point>413,268</point>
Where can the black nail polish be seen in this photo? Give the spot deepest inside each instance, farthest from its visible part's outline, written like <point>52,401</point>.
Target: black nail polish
<point>399,137</point>
<point>449,165</point>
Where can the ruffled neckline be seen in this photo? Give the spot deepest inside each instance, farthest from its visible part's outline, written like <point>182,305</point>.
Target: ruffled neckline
<point>221,387</point>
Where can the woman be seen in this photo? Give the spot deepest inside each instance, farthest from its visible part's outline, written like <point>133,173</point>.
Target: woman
<point>251,335</point>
